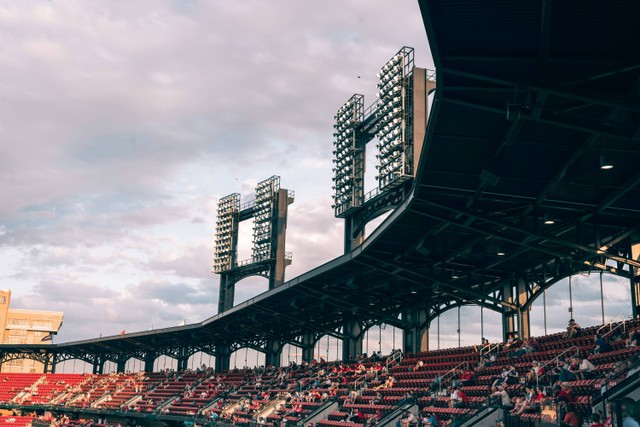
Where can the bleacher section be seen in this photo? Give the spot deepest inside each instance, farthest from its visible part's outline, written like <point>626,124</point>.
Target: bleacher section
<point>366,391</point>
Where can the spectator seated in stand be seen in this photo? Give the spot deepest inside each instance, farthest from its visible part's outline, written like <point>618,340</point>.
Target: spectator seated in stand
<point>572,417</point>
<point>429,420</point>
<point>528,346</point>
<point>602,345</point>
<point>573,330</point>
<point>407,420</point>
<point>564,372</point>
<point>584,368</point>
<point>523,403</point>
<point>468,378</point>
<point>565,395</point>
<point>634,338</point>
<point>458,398</point>
<point>596,420</point>
<point>513,341</point>
<point>483,346</point>
<point>630,412</point>
<point>502,397</point>
<point>534,373</point>
<point>508,376</point>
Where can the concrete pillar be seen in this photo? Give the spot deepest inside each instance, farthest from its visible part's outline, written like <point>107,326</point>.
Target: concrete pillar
<point>49,364</point>
<point>149,360</point>
<point>122,361</point>
<point>308,345</point>
<point>524,321</point>
<point>635,279</point>
<point>352,343</point>
<point>415,338</point>
<point>98,364</point>
<point>273,353</point>
<point>227,292</point>
<point>276,278</point>
<point>54,362</point>
<point>508,316</point>
<point>351,241</point>
<point>223,358</point>
<point>183,358</point>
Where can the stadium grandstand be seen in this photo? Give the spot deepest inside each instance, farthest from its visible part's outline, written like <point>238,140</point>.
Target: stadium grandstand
<point>517,167</point>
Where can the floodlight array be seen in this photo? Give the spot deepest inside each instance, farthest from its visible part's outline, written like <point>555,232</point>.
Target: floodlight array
<point>347,119</point>
<point>226,226</point>
<point>391,116</point>
<point>263,218</point>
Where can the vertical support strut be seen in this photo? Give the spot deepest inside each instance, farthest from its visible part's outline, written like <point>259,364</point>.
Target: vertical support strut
<point>352,342</point>
<point>415,338</point>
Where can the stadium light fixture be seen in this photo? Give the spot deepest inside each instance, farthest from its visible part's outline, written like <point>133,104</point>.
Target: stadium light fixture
<point>605,162</point>
<point>226,227</point>
<point>264,212</point>
<point>548,218</point>
<point>348,161</point>
<point>394,142</point>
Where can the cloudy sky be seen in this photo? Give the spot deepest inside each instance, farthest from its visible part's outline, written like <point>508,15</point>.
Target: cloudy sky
<point>122,123</point>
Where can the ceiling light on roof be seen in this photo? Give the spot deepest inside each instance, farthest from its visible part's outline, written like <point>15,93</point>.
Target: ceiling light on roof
<point>548,219</point>
<point>605,162</point>
<point>500,251</point>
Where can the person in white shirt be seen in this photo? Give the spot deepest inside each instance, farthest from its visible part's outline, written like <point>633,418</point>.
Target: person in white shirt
<point>630,412</point>
<point>407,420</point>
<point>584,368</point>
<point>505,399</point>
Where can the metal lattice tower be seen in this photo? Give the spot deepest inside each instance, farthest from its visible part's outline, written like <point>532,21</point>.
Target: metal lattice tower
<point>268,259</point>
<point>397,120</point>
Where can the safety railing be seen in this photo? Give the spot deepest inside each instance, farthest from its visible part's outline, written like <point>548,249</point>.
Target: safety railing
<point>613,325</point>
<point>489,348</point>
<point>450,372</point>
<point>573,351</point>
<point>395,357</point>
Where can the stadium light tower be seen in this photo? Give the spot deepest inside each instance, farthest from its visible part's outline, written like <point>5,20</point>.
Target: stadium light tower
<point>226,249</point>
<point>398,119</point>
<point>348,151</point>
<point>395,119</point>
<point>268,258</point>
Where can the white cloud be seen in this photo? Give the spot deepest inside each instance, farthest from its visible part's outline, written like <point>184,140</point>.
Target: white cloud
<point>123,123</point>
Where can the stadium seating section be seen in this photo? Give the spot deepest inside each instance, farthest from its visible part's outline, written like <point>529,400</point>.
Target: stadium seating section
<point>366,390</point>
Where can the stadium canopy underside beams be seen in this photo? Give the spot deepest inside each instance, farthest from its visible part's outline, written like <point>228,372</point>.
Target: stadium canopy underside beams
<point>532,99</point>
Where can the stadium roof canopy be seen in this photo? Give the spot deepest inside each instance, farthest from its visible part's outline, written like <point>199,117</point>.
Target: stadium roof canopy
<point>531,96</point>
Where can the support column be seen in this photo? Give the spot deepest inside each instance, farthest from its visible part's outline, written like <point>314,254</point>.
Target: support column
<point>183,358</point>
<point>54,362</point>
<point>276,276</point>
<point>416,338</point>
<point>227,292</point>
<point>149,360</point>
<point>635,279</point>
<point>352,342</point>
<point>223,358</point>
<point>121,363</point>
<point>273,353</point>
<point>508,316</point>
<point>50,364</point>
<point>524,321</point>
<point>350,241</point>
<point>98,364</point>
<point>308,345</point>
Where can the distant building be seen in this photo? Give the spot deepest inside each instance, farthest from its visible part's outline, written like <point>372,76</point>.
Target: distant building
<point>19,326</point>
